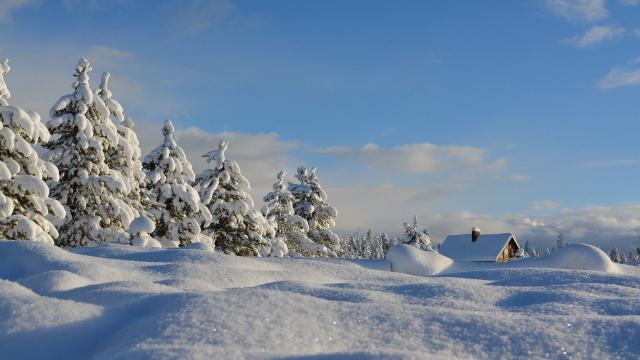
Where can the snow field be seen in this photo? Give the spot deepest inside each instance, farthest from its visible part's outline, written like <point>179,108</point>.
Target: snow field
<point>125,302</point>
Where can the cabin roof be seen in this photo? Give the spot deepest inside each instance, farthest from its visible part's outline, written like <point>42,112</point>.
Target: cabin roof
<point>486,248</point>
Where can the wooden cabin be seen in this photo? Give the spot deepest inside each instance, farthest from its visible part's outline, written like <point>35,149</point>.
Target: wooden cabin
<point>479,247</point>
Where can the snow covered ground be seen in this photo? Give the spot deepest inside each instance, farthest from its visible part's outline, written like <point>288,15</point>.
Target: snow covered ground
<point>125,303</point>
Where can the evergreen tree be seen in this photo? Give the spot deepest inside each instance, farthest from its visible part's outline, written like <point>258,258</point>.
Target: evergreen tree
<point>91,192</point>
<point>367,245</point>
<point>311,204</point>
<point>124,153</point>
<point>237,227</point>
<point>25,205</point>
<point>614,255</point>
<point>177,210</point>
<point>414,236</point>
<point>387,241</point>
<point>561,242</point>
<point>291,227</point>
<point>378,248</point>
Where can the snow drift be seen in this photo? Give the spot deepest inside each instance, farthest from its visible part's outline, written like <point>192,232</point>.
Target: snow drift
<point>123,302</point>
<point>411,260</point>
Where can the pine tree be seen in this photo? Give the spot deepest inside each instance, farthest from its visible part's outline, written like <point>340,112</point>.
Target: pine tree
<point>291,227</point>
<point>561,242</point>
<point>311,204</point>
<point>91,192</point>
<point>177,211</point>
<point>24,196</point>
<point>413,236</point>
<point>387,242</point>
<point>378,248</point>
<point>124,153</point>
<point>614,255</point>
<point>367,245</point>
<point>237,227</point>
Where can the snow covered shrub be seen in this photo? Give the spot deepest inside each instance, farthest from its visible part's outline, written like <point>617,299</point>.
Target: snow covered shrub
<point>26,210</point>
<point>311,204</point>
<point>236,226</point>
<point>124,154</point>
<point>416,237</point>
<point>177,210</point>
<point>92,193</point>
<point>140,228</point>
<point>289,226</point>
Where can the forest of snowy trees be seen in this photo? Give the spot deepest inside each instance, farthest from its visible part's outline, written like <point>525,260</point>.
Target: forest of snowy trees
<point>89,184</point>
<point>92,185</point>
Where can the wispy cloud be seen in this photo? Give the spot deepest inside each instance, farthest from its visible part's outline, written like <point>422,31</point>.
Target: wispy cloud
<point>7,7</point>
<point>598,34</point>
<point>584,10</point>
<point>621,76</point>
<point>629,2</point>
<point>419,158</point>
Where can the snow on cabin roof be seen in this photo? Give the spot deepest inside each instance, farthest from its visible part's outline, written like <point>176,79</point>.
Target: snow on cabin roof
<point>486,248</point>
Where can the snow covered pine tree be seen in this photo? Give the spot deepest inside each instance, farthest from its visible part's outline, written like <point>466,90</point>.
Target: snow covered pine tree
<point>124,155</point>
<point>236,227</point>
<point>416,237</point>
<point>311,204</point>
<point>291,227</point>
<point>178,212</point>
<point>24,196</point>
<point>92,193</point>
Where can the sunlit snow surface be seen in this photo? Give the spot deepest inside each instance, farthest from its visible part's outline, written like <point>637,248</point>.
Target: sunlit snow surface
<point>123,302</point>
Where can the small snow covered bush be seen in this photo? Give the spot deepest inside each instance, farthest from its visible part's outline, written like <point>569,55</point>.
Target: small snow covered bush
<point>140,228</point>
<point>416,237</point>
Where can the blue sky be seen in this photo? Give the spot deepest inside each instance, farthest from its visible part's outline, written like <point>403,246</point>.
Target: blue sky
<point>512,115</point>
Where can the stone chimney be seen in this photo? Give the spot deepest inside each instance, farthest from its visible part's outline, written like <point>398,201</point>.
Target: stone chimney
<point>475,233</point>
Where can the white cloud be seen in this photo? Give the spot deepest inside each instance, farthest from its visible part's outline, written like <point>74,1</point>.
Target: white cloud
<point>7,7</point>
<point>629,2</point>
<point>598,34</point>
<point>620,76</point>
<point>586,10</point>
<point>420,158</point>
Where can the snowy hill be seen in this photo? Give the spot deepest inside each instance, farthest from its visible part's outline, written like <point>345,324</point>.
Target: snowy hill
<point>124,302</point>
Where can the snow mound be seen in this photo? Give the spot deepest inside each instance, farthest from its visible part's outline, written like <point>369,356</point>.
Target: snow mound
<point>414,261</point>
<point>573,257</point>
<point>200,246</point>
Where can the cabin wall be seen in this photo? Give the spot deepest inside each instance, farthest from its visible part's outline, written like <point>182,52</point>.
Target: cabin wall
<point>509,252</point>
